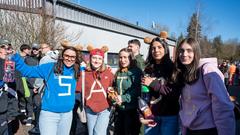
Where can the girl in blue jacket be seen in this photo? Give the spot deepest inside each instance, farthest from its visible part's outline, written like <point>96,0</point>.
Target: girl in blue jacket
<point>59,92</point>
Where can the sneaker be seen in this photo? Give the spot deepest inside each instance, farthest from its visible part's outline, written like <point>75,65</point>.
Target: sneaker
<point>29,121</point>
<point>23,112</point>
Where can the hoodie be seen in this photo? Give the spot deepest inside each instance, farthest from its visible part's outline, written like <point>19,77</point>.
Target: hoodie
<point>59,93</point>
<point>205,103</point>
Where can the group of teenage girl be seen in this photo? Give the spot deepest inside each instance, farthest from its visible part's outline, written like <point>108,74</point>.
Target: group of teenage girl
<point>194,100</point>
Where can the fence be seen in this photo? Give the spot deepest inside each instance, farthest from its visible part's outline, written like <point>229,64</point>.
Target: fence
<point>33,6</point>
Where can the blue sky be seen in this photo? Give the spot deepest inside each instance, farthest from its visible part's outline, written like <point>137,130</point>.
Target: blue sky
<point>218,17</point>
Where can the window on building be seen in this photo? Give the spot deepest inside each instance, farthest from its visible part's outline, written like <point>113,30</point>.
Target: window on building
<point>112,59</point>
<point>85,55</point>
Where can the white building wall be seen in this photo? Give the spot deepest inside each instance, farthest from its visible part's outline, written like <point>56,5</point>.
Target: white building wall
<point>99,37</point>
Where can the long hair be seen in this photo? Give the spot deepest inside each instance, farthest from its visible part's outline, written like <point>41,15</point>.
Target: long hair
<point>131,58</point>
<point>58,69</point>
<point>189,73</point>
<point>166,63</point>
<point>150,60</point>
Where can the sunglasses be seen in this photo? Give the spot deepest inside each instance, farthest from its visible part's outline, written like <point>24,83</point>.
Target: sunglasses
<point>5,47</point>
<point>35,49</point>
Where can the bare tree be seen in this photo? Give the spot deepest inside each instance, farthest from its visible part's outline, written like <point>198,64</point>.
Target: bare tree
<point>206,47</point>
<point>231,50</point>
<point>23,27</point>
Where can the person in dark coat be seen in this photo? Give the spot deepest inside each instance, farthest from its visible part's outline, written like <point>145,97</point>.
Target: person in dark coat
<point>8,108</point>
<point>8,98</point>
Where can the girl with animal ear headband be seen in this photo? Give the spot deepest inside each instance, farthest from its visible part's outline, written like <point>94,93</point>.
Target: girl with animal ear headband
<point>65,43</point>
<point>98,79</point>
<point>78,116</point>
<point>59,93</point>
<point>164,94</point>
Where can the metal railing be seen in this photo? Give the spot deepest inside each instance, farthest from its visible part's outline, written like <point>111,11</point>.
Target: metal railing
<point>34,6</point>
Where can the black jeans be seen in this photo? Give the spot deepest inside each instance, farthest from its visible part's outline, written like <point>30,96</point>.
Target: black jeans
<point>209,131</point>
<point>127,122</point>
<point>78,128</point>
<point>26,103</point>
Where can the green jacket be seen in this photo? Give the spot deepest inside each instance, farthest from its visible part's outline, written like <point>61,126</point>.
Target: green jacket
<point>128,85</point>
<point>140,62</point>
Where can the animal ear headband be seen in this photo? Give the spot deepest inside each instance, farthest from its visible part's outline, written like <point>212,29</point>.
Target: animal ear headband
<point>162,35</point>
<point>90,48</point>
<point>65,43</point>
<point>97,51</point>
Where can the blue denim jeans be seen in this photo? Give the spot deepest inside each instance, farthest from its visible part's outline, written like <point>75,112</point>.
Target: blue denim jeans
<point>3,131</point>
<point>97,122</point>
<point>51,123</point>
<point>166,125</point>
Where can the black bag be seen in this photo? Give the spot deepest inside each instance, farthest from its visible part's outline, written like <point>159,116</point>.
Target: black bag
<point>112,116</point>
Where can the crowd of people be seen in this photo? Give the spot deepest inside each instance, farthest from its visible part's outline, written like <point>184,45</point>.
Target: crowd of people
<point>231,72</point>
<point>54,89</point>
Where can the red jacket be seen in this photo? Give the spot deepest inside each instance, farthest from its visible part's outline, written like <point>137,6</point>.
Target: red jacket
<point>96,95</point>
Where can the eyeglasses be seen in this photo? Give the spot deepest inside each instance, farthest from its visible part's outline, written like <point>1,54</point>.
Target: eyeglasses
<point>66,56</point>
